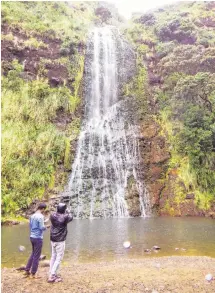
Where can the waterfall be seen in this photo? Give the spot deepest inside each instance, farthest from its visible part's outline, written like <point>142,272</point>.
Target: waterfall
<point>107,154</point>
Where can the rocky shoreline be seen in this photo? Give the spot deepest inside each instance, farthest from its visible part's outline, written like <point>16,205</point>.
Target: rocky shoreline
<point>162,274</point>
<point>14,222</point>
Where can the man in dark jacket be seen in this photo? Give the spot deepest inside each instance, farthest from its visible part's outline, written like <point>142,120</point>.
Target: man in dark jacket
<point>59,221</point>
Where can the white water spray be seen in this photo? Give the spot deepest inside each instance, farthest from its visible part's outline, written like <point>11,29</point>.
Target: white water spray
<point>107,152</point>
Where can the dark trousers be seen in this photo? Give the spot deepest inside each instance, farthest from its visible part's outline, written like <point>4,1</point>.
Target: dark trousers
<point>33,261</point>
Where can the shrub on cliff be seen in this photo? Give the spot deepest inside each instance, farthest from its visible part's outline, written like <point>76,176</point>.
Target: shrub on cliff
<point>146,19</point>
<point>31,145</point>
<point>183,56</point>
<point>190,102</point>
<point>189,59</point>
<point>177,29</point>
<point>197,141</point>
<point>40,93</point>
<point>57,19</point>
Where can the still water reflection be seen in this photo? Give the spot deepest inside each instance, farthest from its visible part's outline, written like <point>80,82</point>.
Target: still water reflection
<point>102,239</point>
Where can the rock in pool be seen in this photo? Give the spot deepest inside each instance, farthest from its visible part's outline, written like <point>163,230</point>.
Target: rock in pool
<point>127,244</point>
<point>42,257</point>
<point>209,277</point>
<point>155,247</point>
<point>22,248</point>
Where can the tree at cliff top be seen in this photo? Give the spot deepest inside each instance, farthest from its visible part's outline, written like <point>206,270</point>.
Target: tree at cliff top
<point>42,62</point>
<point>177,45</point>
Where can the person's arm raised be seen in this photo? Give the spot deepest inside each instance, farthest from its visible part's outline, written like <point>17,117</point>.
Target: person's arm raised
<point>69,216</point>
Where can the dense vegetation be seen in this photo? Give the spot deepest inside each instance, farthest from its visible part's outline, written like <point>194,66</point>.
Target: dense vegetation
<point>40,98</point>
<point>177,45</point>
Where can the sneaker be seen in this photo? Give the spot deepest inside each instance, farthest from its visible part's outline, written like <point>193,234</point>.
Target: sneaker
<point>26,274</point>
<point>52,279</point>
<point>57,275</point>
<point>21,269</point>
<point>58,279</point>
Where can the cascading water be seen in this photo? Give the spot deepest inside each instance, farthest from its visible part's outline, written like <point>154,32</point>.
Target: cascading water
<point>107,152</point>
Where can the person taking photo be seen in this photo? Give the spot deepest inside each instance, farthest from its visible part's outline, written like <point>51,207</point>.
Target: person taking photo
<point>58,233</point>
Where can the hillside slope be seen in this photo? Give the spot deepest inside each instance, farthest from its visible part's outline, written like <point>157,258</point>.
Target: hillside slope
<point>43,46</point>
<point>176,44</point>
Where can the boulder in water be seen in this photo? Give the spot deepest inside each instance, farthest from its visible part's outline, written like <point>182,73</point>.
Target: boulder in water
<point>127,244</point>
<point>209,277</point>
<point>155,247</point>
<point>15,222</point>
<point>22,248</point>
<point>42,257</point>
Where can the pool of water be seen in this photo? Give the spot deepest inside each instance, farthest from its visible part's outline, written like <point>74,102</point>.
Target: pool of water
<point>102,239</point>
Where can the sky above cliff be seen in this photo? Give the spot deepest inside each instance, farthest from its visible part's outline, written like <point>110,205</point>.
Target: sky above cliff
<point>127,7</point>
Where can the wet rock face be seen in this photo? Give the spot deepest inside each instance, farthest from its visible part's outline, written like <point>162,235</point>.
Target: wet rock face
<point>186,206</point>
<point>107,154</point>
<point>102,181</point>
<point>155,155</point>
<point>31,57</point>
<point>132,198</point>
<point>103,13</point>
<point>107,13</point>
<point>159,153</point>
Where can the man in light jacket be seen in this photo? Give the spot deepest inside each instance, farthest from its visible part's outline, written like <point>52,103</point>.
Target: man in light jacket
<point>37,227</point>
<point>59,221</point>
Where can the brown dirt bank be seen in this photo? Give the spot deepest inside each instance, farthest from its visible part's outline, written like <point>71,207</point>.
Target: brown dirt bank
<point>165,274</point>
